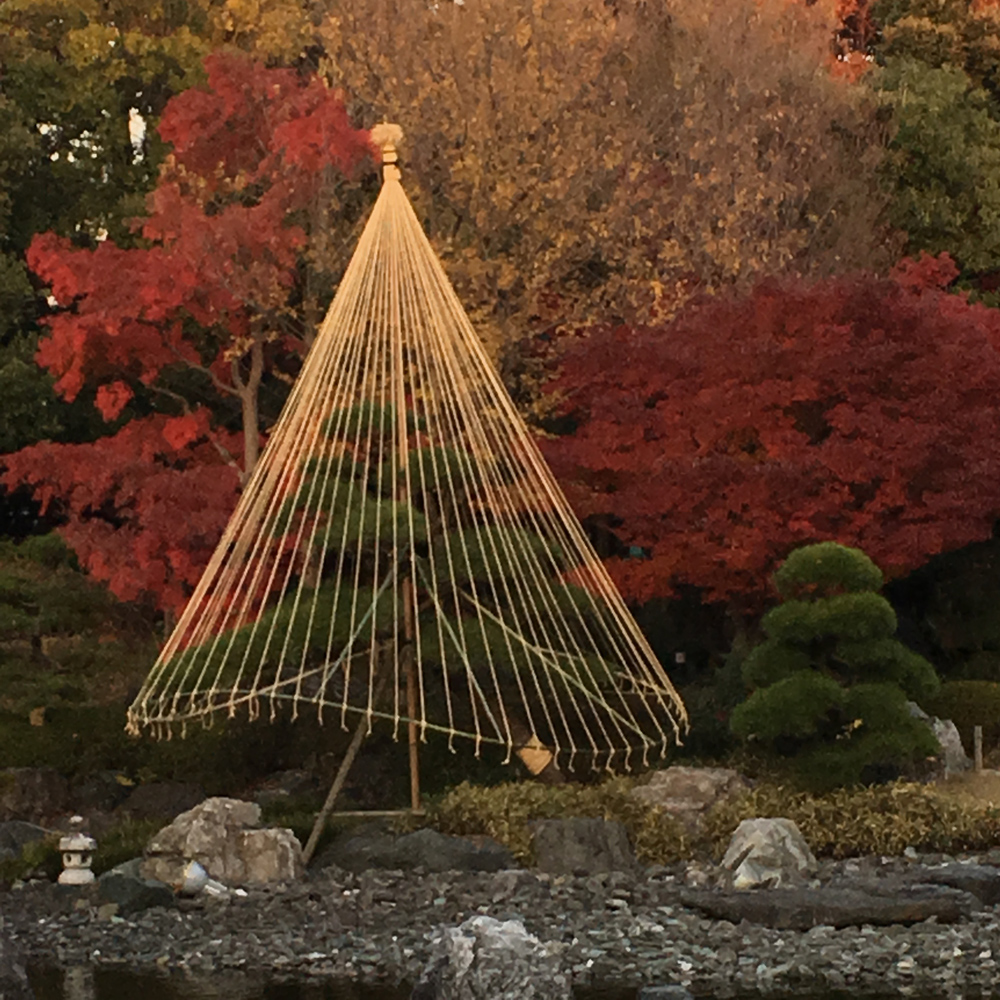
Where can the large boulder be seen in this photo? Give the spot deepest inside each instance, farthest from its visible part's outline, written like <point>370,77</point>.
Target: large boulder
<point>222,836</point>
<point>581,845</point>
<point>35,794</point>
<point>803,907</point>
<point>767,853</point>
<point>427,849</point>
<point>687,793</point>
<point>487,959</point>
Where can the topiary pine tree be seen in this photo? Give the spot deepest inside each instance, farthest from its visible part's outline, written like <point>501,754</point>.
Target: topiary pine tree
<point>830,683</point>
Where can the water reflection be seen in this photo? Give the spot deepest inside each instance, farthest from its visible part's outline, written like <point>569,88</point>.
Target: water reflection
<point>87,983</point>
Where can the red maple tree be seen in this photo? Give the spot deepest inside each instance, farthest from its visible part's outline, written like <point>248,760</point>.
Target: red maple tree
<point>182,323</point>
<point>856,409</point>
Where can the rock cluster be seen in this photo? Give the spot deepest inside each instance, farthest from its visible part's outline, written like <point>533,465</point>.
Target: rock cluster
<point>222,836</point>
<point>498,959</point>
<point>623,929</point>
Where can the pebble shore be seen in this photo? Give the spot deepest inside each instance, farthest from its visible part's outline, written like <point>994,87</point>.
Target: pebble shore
<point>615,929</point>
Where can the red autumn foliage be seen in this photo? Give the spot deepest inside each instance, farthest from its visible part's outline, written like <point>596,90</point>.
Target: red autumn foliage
<point>220,260</point>
<point>855,409</point>
<point>145,506</point>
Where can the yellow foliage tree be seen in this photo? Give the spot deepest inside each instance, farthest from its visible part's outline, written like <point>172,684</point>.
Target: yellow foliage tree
<point>576,160</point>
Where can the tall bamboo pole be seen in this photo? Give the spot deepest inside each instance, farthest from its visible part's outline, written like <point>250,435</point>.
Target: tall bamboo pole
<point>386,136</point>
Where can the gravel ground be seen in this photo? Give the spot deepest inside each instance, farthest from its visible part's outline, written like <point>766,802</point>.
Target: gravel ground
<point>612,929</point>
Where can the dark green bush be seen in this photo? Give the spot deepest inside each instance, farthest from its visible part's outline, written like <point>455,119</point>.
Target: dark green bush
<point>969,704</point>
<point>826,569</point>
<point>830,681</point>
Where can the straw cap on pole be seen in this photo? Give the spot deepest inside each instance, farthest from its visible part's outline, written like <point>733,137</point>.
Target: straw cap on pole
<point>387,136</point>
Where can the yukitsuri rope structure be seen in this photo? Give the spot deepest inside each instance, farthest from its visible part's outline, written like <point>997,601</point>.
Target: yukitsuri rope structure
<point>402,551</point>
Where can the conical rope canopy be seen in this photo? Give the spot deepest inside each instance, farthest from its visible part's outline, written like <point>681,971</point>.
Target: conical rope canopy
<point>402,551</point>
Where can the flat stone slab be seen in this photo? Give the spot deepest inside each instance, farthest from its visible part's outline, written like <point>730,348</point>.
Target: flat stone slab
<point>982,881</point>
<point>427,849</point>
<point>802,908</point>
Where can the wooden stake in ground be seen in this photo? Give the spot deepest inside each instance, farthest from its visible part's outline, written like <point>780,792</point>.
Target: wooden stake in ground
<point>338,783</point>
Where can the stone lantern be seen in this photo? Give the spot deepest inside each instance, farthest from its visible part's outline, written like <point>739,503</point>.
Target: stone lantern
<point>77,850</point>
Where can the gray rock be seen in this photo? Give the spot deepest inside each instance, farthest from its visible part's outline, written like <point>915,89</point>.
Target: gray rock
<point>35,794</point>
<point>130,892</point>
<point>803,908</point>
<point>488,959</point>
<point>214,833</point>
<point>955,758</point>
<point>15,835</point>
<point>427,849</point>
<point>767,853</point>
<point>589,846</point>
<point>981,881</point>
<point>687,793</point>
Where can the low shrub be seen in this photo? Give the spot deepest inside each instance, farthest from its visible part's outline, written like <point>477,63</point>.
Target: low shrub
<point>850,822</point>
<point>504,812</point>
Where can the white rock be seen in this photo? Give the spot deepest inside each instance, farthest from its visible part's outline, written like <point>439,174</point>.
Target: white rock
<point>955,758</point>
<point>486,958</point>
<point>767,853</point>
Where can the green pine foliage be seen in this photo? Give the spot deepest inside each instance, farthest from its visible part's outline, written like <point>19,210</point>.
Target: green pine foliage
<point>473,613</point>
<point>830,684</point>
<point>63,639</point>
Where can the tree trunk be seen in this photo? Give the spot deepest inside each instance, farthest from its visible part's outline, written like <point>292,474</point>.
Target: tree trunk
<point>249,391</point>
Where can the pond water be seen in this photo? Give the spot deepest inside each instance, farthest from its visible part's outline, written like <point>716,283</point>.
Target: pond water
<point>84,983</point>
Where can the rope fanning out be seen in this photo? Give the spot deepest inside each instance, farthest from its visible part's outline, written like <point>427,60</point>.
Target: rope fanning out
<point>401,519</point>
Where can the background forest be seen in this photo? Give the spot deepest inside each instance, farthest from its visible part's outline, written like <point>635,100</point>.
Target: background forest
<point>739,268</point>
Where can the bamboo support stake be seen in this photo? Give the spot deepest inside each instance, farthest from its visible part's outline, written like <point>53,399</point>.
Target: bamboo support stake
<point>338,783</point>
<point>411,696</point>
<point>977,743</point>
<point>386,136</point>
<point>360,732</point>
